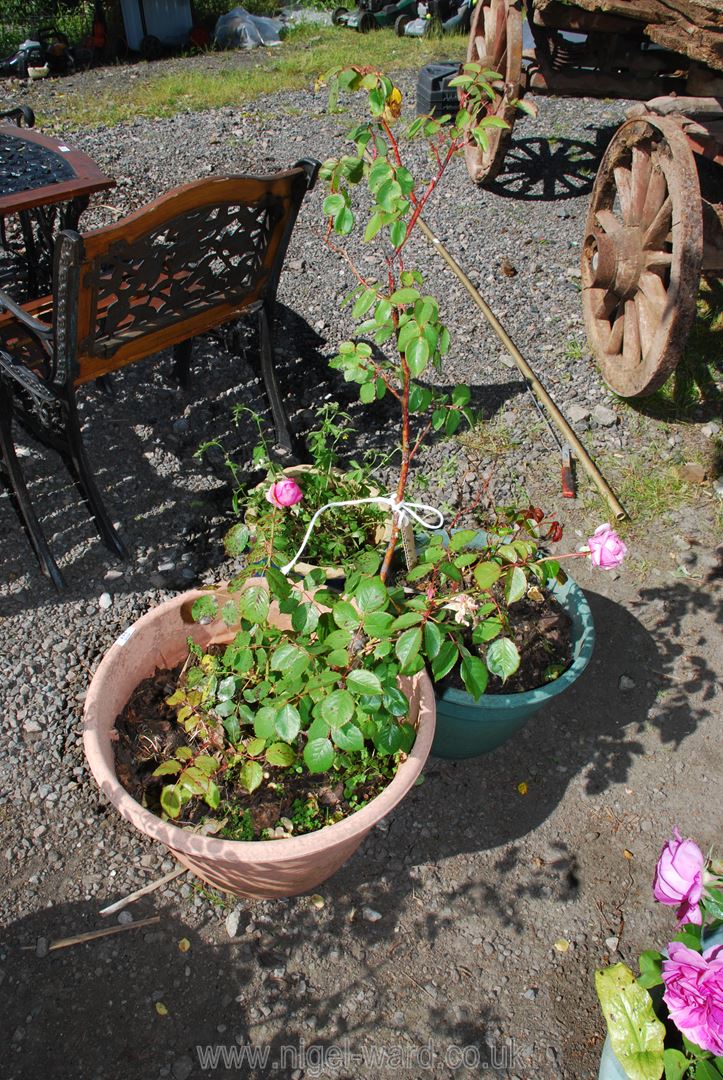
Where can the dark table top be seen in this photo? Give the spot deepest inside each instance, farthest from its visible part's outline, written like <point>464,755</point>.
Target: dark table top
<point>37,170</point>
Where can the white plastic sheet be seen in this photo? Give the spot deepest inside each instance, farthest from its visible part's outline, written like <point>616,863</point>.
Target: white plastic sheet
<point>238,29</point>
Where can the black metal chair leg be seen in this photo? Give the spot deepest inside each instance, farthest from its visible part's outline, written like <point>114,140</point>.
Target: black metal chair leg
<point>17,482</point>
<point>79,466</point>
<point>182,362</point>
<point>284,438</point>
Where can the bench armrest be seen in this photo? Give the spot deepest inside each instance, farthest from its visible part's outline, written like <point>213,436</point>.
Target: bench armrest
<point>35,325</point>
<point>27,379</point>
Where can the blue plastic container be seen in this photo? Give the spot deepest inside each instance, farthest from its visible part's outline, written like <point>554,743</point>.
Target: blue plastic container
<point>467,727</point>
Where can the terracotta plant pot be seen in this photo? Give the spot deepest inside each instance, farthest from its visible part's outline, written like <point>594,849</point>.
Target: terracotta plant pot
<point>257,868</point>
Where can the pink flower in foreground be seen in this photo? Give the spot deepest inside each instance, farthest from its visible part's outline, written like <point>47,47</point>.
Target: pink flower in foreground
<point>284,493</point>
<point>679,877</point>
<point>694,994</point>
<point>606,548</point>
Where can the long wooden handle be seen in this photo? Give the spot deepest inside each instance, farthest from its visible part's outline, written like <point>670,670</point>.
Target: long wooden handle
<point>536,386</point>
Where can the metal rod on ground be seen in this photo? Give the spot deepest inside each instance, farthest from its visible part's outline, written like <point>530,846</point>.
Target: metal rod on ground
<point>541,393</point>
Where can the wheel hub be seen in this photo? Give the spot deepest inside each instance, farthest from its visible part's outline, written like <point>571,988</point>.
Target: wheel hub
<point>617,260</point>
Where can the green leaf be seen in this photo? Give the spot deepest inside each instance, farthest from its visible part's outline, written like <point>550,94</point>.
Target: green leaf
<point>635,1032</point>
<point>503,659</point>
<point>445,660</point>
<point>288,723</point>
<point>265,722</point>
<point>461,539</point>
<point>395,701</point>
<point>417,356</point>
<point>344,221</point>
<point>204,609</point>
<point>251,776</point>
<point>206,764</point>
<point>255,746</point>
<point>407,619</point>
<point>367,393</point>
<point>278,584</point>
<point>333,204</point>
<point>281,754</point>
<point>167,768</point>
<point>305,618</point>
<point>515,585</point>
<point>474,676</point>
<point>337,708</point>
<point>403,297</point>
<point>486,574</point>
<point>432,639</point>
<point>407,648</point>
<point>290,660</point>
<point>365,301</point>
<point>389,737</point>
<point>713,903</point>
<point>212,796</point>
<point>676,1064</point>
<point>361,681</point>
<point>371,595</point>
<point>345,616</point>
<point>236,540</point>
<point>171,801</point>
<point>348,737</point>
<point>397,233</point>
<point>706,1070</point>
<point>232,727</point>
<point>378,624</point>
<point>229,612</point>
<point>254,603</point>
<point>651,967</point>
<point>319,755</point>
<point>226,688</point>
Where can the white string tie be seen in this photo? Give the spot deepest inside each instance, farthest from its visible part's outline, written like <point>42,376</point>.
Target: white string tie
<point>401,510</point>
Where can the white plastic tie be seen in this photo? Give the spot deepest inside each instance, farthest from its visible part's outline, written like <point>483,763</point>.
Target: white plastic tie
<point>402,511</point>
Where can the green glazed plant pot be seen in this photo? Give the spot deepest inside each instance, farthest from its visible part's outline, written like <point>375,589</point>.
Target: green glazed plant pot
<point>467,727</point>
<point>610,1067</point>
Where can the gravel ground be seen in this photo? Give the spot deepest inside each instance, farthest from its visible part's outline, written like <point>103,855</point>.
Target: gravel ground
<point>475,916</point>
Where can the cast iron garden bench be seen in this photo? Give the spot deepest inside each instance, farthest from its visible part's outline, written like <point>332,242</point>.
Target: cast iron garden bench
<point>194,259</point>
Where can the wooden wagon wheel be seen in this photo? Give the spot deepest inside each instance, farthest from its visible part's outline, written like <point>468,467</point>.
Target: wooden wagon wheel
<point>642,254</point>
<point>495,41</point>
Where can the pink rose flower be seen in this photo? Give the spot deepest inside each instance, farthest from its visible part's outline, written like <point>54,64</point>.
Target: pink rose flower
<point>694,994</point>
<point>606,548</point>
<point>679,877</point>
<point>284,493</point>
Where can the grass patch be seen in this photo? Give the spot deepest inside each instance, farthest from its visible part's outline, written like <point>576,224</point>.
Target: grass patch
<point>648,490</point>
<point>306,53</point>
<point>697,380</point>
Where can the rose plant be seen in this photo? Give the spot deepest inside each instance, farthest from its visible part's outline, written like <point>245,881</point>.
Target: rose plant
<point>669,1021</point>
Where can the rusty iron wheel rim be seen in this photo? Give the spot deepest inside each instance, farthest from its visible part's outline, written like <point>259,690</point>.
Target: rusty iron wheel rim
<point>495,40</point>
<point>642,254</point>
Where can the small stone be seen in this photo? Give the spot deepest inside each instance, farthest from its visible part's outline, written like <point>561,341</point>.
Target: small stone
<point>105,601</point>
<point>31,726</point>
<point>604,417</point>
<point>112,575</point>
<point>232,921</point>
<point>578,414</point>
<point>531,993</point>
<point>182,1068</point>
<point>711,430</point>
<point>125,918</point>
<point>626,683</point>
<point>371,915</point>
<point>180,426</point>
<point>693,473</point>
<point>612,943</point>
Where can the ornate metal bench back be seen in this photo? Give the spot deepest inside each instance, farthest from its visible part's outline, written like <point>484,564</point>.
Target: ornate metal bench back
<point>195,258</point>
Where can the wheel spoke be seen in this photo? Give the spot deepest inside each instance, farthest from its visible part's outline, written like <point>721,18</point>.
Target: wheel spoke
<point>647,322</point>
<point>623,183</point>
<point>603,303</point>
<point>658,229</point>
<point>654,289</point>
<point>631,334</point>
<point>479,45</point>
<point>639,182</point>
<point>657,192</point>
<point>615,340</point>
<point>658,258</point>
<point>608,221</point>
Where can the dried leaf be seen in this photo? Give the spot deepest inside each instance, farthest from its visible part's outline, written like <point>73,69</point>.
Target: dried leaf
<point>161,1009</point>
<point>184,944</point>
<point>561,945</point>
<point>317,901</point>
<point>628,854</point>
<point>522,788</point>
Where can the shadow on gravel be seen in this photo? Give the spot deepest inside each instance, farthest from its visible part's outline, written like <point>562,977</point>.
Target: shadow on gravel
<point>246,1006</point>
<point>550,168</point>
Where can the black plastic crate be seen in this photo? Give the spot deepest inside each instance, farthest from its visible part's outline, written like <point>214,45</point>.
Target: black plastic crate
<point>434,94</point>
